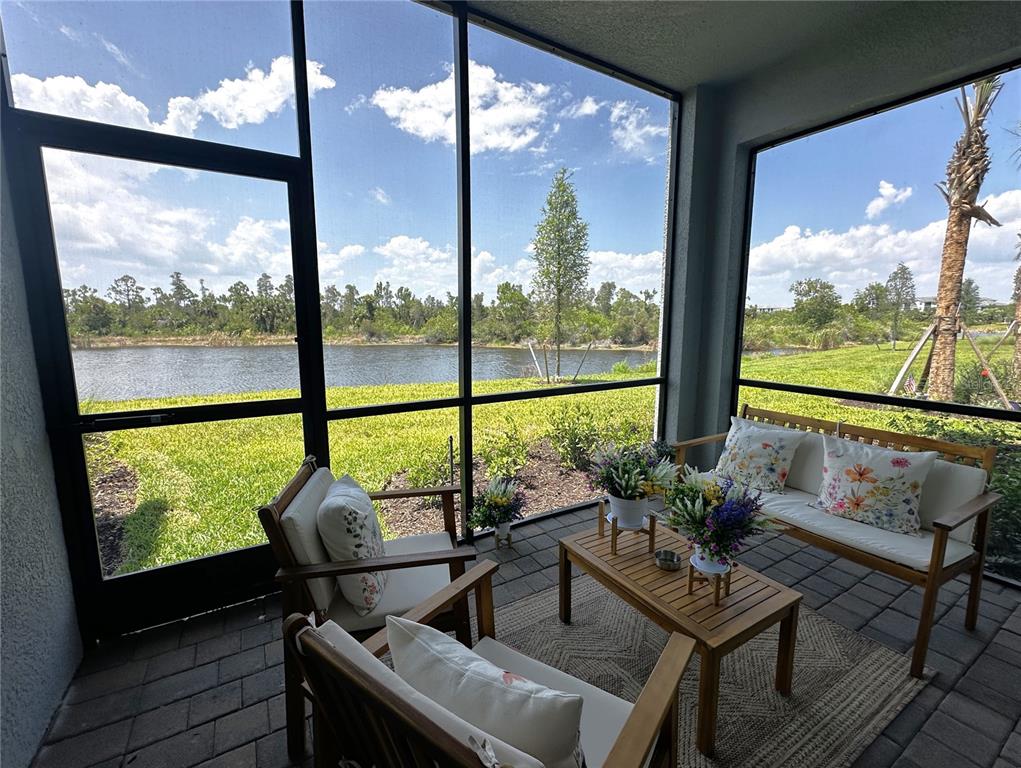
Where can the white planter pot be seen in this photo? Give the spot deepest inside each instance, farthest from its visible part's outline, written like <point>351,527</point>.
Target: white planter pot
<point>629,513</point>
<point>706,563</point>
<point>503,529</point>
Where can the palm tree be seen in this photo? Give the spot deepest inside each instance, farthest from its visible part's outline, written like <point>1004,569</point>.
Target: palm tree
<point>966,170</point>
<point>1017,319</point>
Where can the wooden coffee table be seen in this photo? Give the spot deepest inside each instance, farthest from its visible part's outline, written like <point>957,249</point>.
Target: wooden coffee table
<point>754,604</point>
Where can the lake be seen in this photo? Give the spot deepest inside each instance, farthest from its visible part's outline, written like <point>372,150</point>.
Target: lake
<point>126,373</point>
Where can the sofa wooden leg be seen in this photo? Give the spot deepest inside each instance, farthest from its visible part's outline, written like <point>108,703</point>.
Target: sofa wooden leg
<point>974,598</point>
<point>975,585</point>
<point>924,629</point>
<point>294,707</point>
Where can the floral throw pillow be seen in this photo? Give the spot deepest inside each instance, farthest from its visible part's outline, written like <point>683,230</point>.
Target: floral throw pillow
<point>873,485</point>
<point>349,529</point>
<point>758,457</point>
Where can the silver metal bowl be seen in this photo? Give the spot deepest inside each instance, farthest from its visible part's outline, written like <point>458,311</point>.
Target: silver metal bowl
<point>669,560</point>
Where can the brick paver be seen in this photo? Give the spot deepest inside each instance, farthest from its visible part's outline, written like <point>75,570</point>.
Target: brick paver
<point>207,691</point>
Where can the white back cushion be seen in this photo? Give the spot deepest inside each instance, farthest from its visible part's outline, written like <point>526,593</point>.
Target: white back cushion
<point>947,487</point>
<point>299,526</point>
<point>806,469</point>
<point>386,679</point>
<point>538,720</point>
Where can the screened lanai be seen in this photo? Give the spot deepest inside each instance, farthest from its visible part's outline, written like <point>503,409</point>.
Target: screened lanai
<point>428,248</point>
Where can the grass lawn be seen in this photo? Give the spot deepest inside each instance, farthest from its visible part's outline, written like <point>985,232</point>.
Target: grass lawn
<point>194,487</point>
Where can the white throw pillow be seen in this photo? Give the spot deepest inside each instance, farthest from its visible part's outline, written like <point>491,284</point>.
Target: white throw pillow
<point>349,529</point>
<point>544,723</point>
<point>874,485</point>
<point>384,678</point>
<point>758,457</point>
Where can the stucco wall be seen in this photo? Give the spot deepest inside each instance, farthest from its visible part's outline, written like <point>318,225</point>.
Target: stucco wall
<point>39,642</point>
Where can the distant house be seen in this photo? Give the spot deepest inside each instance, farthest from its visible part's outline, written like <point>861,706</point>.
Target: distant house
<point>928,303</point>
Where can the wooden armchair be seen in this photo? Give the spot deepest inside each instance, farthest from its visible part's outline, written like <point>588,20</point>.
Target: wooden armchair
<point>419,565</point>
<point>358,718</point>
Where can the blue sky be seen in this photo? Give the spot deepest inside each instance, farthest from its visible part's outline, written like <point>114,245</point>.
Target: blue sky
<point>823,185</point>
<point>384,157</point>
<point>384,165</point>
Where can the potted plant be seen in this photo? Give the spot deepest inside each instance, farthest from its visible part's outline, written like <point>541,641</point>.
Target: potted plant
<point>717,516</point>
<point>662,476</point>
<point>497,505</point>
<point>626,474</point>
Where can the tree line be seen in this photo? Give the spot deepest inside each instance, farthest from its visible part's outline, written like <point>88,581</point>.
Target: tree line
<point>559,308</point>
<point>881,311</point>
<point>607,313</point>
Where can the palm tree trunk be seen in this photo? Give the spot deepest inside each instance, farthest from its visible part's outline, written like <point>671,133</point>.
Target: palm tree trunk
<point>1017,346</point>
<point>948,297</point>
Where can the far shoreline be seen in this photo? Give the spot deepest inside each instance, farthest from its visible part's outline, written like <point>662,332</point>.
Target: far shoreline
<point>225,341</point>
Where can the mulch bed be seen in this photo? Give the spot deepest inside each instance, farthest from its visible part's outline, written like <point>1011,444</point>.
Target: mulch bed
<point>113,499</point>
<point>544,483</point>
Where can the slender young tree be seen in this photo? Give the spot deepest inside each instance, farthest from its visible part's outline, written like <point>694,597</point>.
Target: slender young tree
<point>966,170</point>
<point>561,256</point>
<point>900,293</point>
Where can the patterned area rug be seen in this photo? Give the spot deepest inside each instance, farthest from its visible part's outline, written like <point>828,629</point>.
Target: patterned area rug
<point>847,687</point>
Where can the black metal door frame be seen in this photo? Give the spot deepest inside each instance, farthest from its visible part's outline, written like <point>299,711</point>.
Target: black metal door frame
<point>109,606</point>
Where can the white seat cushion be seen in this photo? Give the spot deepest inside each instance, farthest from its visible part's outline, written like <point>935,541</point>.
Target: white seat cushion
<point>545,722</point>
<point>913,551</point>
<point>602,715</point>
<point>299,526</point>
<point>406,588</point>
<point>386,679</point>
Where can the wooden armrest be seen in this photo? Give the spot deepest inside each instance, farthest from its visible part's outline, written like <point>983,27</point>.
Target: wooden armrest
<point>681,448</point>
<point>655,703</point>
<point>966,512</point>
<point>437,603</point>
<point>409,493</point>
<point>699,441</point>
<point>385,563</point>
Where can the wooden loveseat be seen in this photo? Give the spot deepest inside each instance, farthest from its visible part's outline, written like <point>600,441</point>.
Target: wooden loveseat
<point>955,508</point>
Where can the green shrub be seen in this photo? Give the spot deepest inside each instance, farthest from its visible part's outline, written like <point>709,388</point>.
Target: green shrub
<point>971,386</point>
<point>503,449</point>
<point>573,434</point>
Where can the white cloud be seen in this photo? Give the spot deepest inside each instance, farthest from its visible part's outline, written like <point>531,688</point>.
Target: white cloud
<point>233,103</point>
<point>357,103</point>
<point>71,34</point>
<point>633,132</point>
<point>870,252</point>
<point>102,219</point>
<point>72,96</point>
<point>119,56</point>
<point>634,271</point>
<point>259,94</point>
<point>505,116</point>
<point>432,270</point>
<point>888,195</point>
<point>254,246</point>
<point>587,107</point>
<point>380,196</point>
<point>331,263</point>
<point>419,265</point>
